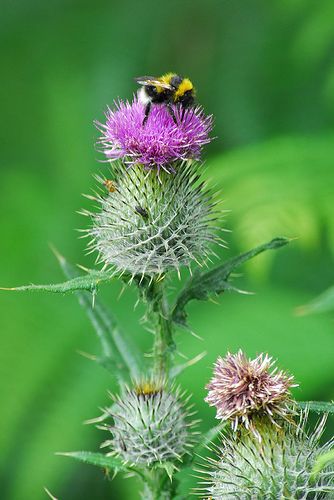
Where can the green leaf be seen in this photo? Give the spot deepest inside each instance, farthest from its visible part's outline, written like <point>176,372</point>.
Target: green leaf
<point>119,354</point>
<point>204,285</point>
<point>321,462</point>
<point>108,328</point>
<point>317,406</point>
<point>323,303</point>
<point>99,459</point>
<point>88,282</point>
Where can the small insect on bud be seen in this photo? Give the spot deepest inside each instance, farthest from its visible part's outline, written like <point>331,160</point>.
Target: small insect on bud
<point>150,424</point>
<point>110,185</point>
<point>141,211</point>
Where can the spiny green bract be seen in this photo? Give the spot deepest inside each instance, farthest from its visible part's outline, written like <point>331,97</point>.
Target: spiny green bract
<point>149,224</point>
<point>149,426</point>
<point>280,467</point>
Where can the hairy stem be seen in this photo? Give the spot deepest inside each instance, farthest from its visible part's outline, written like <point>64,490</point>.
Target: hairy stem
<point>157,484</point>
<point>156,487</point>
<point>152,292</point>
<point>164,345</point>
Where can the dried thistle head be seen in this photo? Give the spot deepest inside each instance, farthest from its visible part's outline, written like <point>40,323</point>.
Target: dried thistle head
<point>149,224</point>
<point>245,389</point>
<point>278,467</point>
<point>149,424</point>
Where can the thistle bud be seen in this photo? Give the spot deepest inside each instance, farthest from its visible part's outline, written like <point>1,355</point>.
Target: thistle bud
<point>280,466</point>
<point>157,213</point>
<point>149,224</point>
<point>150,424</point>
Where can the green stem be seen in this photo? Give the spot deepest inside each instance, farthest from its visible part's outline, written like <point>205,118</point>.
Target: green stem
<point>157,486</point>
<point>163,343</point>
<point>158,312</point>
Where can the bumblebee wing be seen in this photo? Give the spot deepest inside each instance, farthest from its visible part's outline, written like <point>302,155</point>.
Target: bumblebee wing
<point>152,80</point>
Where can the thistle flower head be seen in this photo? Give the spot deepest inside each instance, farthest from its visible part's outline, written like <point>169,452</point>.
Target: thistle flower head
<point>150,424</point>
<point>243,390</point>
<point>158,143</point>
<point>149,224</point>
<point>280,466</point>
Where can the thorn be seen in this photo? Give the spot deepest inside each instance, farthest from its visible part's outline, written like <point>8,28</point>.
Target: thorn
<point>121,292</point>
<point>244,292</point>
<point>86,355</point>
<point>50,494</point>
<point>83,268</point>
<point>94,420</point>
<point>64,453</point>
<point>196,335</point>
<point>136,304</point>
<point>56,253</point>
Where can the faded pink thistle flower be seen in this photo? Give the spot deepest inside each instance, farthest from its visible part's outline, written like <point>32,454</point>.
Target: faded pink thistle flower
<point>243,389</point>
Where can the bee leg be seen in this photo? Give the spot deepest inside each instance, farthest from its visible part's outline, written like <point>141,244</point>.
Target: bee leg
<point>147,112</point>
<point>171,112</point>
<point>183,110</point>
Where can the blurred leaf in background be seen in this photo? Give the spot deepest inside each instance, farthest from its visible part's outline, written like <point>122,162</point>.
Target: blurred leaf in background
<point>266,71</point>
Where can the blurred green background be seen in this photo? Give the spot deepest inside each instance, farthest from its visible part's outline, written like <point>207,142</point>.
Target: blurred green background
<point>266,72</point>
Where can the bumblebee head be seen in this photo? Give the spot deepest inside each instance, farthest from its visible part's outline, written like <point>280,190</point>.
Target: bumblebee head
<point>184,93</point>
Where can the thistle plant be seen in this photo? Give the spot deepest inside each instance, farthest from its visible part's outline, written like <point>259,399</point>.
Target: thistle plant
<point>280,466</point>
<point>153,216</point>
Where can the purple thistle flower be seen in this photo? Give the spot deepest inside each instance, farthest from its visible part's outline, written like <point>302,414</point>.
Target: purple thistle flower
<point>159,142</point>
<point>243,389</point>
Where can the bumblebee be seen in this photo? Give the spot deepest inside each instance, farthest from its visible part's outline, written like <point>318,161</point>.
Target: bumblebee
<point>167,89</point>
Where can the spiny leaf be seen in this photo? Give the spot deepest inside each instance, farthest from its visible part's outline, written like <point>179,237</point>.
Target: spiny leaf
<point>119,354</point>
<point>99,459</point>
<point>88,282</point>
<point>323,303</point>
<point>321,462</point>
<point>122,342</point>
<point>204,285</point>
<point>169,467</point>
<point>317,406</point>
